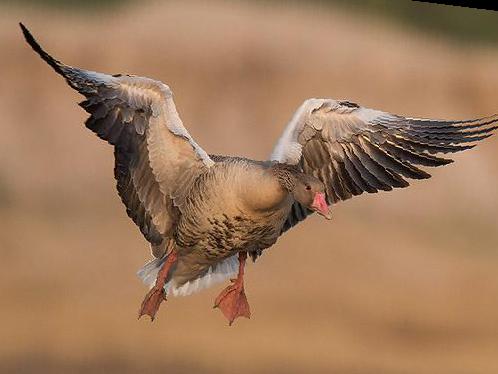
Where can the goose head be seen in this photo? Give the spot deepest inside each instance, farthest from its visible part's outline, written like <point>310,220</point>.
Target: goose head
<point>310,192</point>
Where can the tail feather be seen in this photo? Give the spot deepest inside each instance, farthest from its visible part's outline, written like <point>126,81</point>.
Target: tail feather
<point>216,274</point>
<point>148,273</point>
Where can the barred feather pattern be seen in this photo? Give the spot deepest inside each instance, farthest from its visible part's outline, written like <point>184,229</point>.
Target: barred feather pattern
<point>353,149</point>
<point>152,149</point>
<point>211,207</point>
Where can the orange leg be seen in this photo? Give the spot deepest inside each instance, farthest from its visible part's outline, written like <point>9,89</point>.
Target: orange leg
<point>156,295</point>
<point>232,301</point>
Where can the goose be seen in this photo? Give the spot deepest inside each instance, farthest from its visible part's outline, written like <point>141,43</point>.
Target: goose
<point>204,214</point>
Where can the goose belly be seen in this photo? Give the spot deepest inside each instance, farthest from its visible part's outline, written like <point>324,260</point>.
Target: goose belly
<point>224,234</point>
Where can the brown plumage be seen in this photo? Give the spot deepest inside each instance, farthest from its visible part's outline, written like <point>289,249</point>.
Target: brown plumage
<point>203,213</point>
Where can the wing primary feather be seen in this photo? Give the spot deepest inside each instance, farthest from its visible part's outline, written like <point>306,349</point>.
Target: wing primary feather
<point>456,138</point>
<point>467,130</point>
<point>345,179</point>
<point>388,179</point>
<point>441,124</point>
<point>58,66</point>
<point>353,149</point>
<point>412,157</point>
<point>390,163</point>
<point>337,158</point>
<point>333,176</point>
<point>329,182</point>
<point>76,78</point>
<point>355,175</point>
<point>132,113</point>
<point>421,147</point>
<point>367,176</point>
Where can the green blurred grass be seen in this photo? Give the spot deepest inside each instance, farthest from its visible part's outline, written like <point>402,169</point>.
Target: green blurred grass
<point>455,22</point>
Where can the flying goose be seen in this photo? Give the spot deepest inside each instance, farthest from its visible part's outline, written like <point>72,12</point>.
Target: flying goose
<point>203,214</point>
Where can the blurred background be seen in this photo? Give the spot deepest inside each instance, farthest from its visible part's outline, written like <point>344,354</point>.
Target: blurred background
<point>399,282</point>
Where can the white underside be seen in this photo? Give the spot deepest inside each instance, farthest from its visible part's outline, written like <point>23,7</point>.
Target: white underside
<point>216,274</point>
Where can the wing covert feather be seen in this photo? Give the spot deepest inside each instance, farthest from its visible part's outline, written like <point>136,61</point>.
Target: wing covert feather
<point>153,150</point>
<point>353,149</point>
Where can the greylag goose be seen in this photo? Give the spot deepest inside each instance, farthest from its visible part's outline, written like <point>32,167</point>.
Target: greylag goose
<point>203,214</point>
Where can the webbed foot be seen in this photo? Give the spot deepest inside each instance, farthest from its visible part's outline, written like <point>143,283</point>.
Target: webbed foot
<point>232,301</point>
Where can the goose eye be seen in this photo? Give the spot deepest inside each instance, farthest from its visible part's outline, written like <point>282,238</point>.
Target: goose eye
<point>308,188</point>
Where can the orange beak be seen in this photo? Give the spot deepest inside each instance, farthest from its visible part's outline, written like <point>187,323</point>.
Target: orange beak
<point>320,205</point>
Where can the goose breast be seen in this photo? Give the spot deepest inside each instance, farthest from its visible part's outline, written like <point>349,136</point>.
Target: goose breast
<point>237,205</point>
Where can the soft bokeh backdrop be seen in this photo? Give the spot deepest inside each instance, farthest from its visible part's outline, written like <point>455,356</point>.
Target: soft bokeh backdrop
<point>399,282</point>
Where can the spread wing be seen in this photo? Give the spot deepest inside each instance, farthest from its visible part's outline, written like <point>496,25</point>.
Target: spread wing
<point>353,150</point>
<point>155,156</point>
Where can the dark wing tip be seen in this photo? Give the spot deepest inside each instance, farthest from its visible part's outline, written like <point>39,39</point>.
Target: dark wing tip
<point>23,28</point>
<point>56,65</point>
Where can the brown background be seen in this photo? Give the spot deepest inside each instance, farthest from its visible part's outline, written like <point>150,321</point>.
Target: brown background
<point>400,282</point>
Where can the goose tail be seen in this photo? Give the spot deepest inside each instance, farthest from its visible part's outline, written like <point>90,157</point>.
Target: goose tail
<point>215,274</point>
